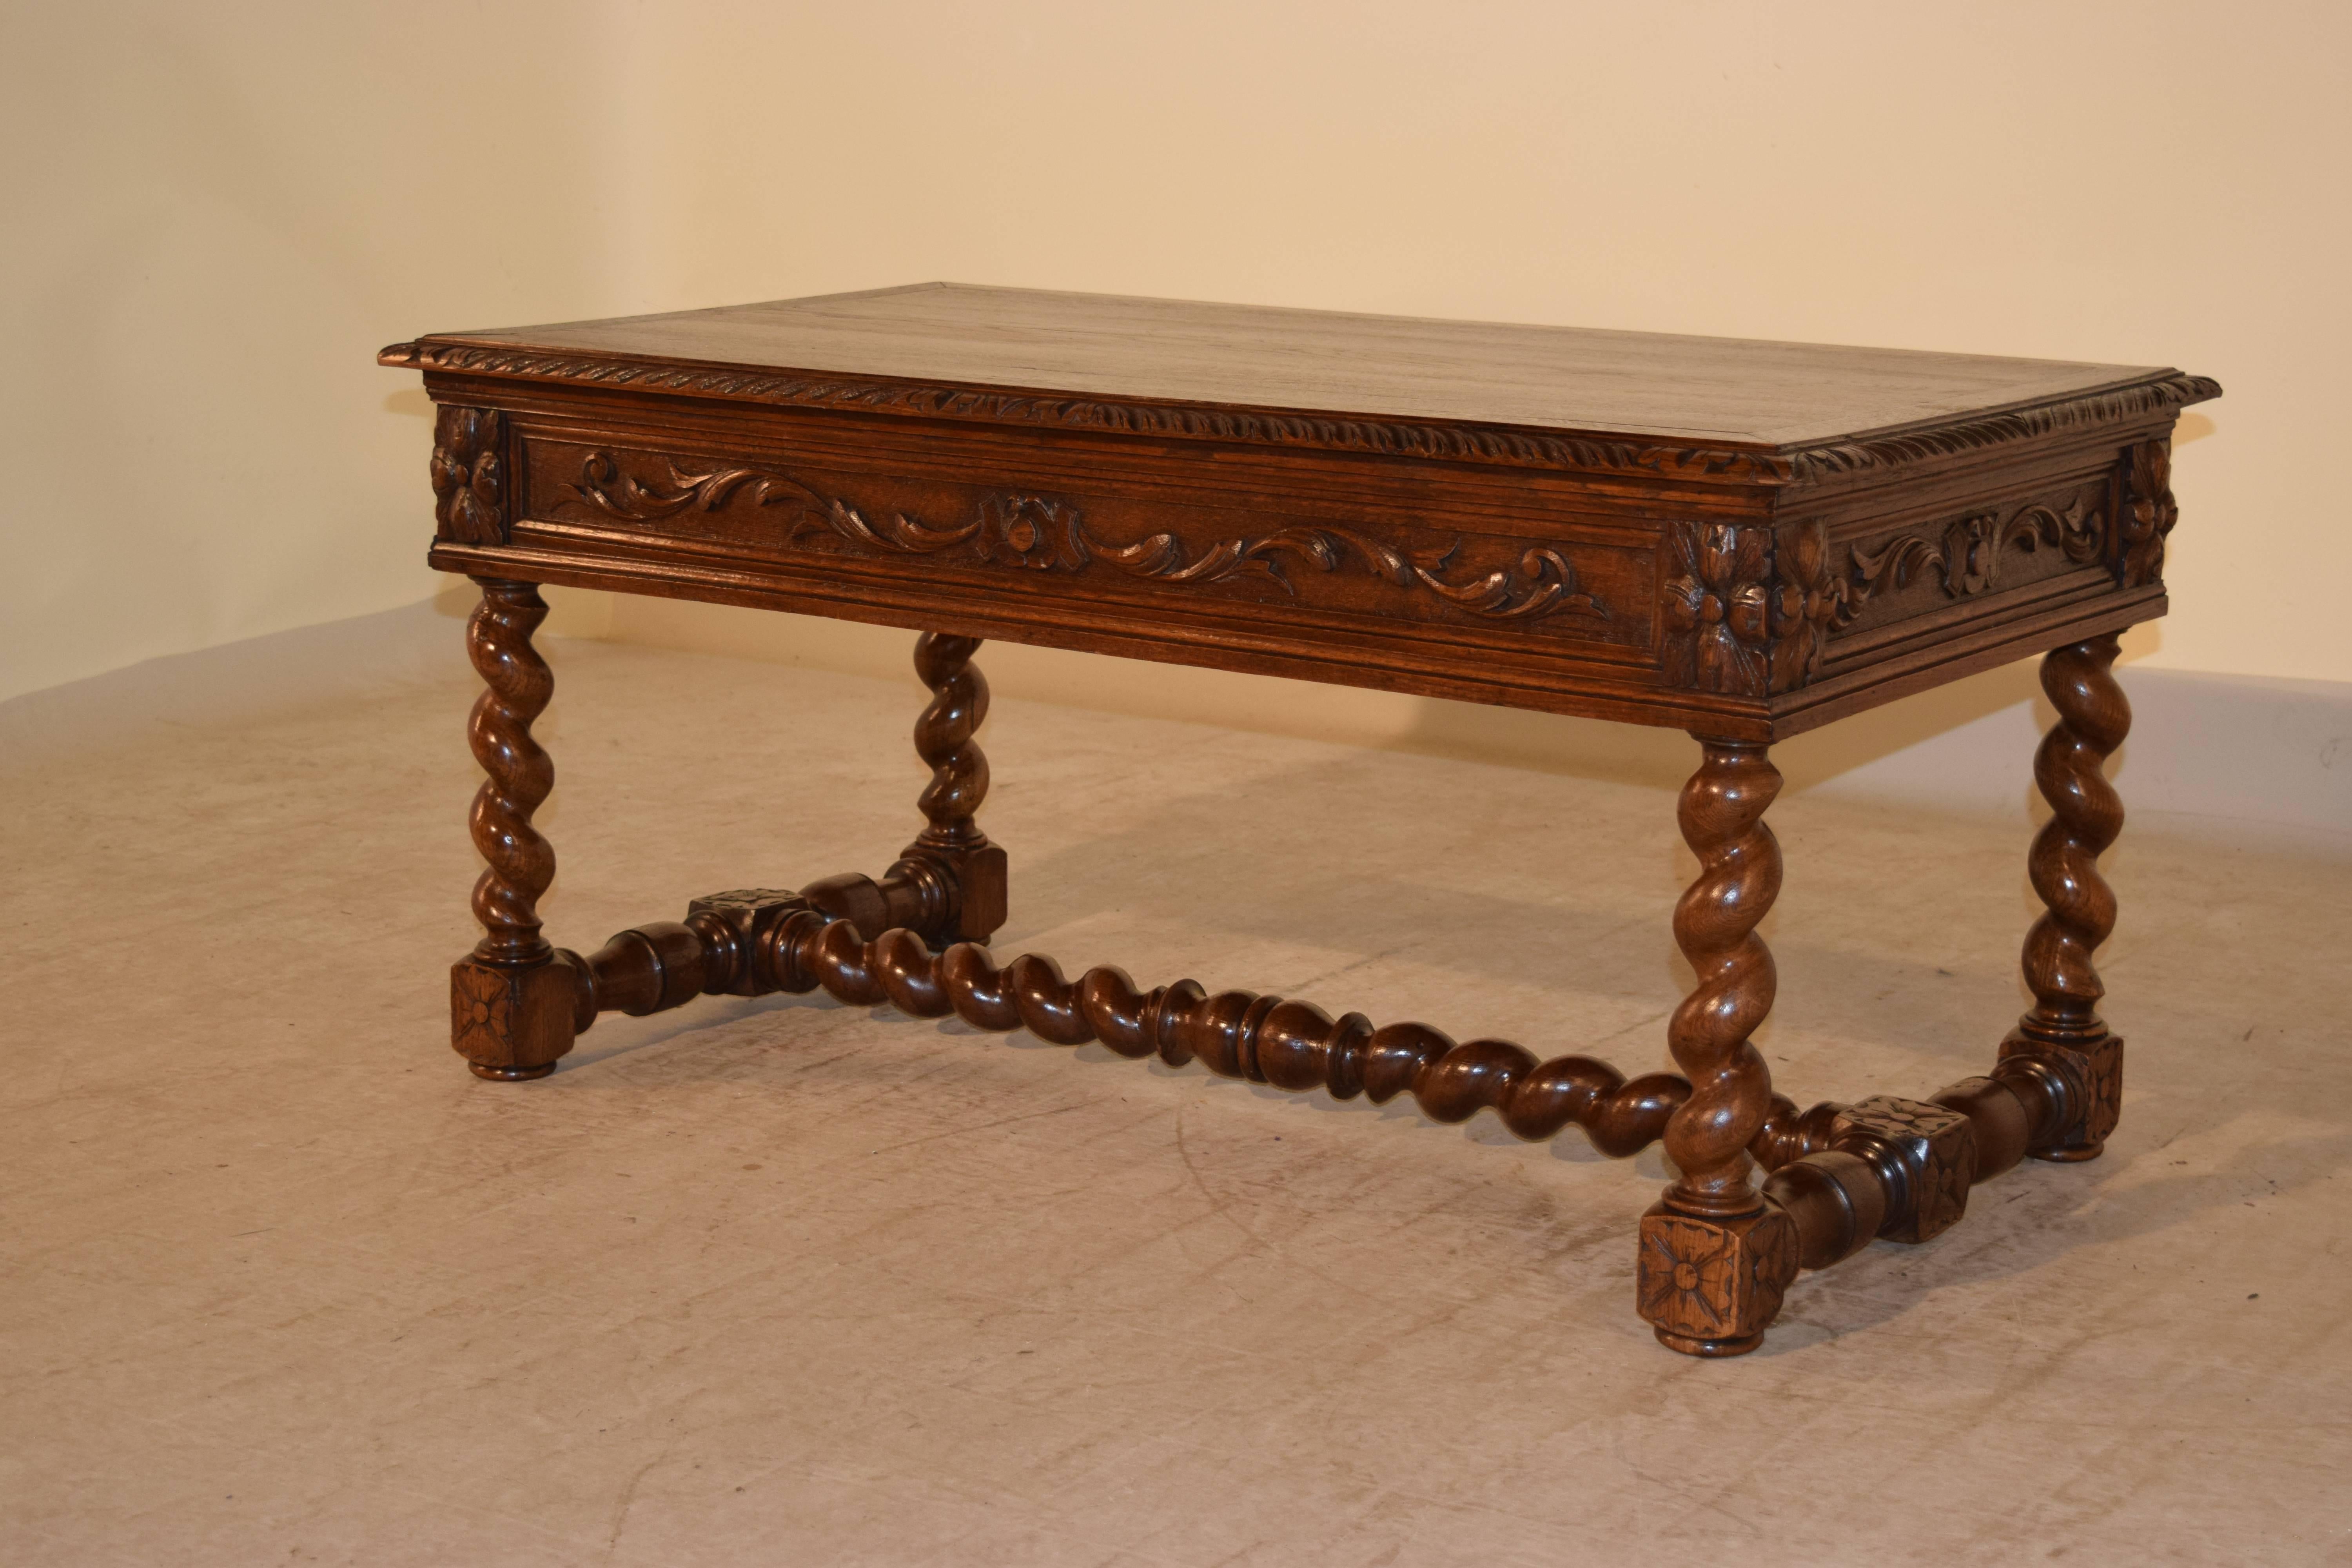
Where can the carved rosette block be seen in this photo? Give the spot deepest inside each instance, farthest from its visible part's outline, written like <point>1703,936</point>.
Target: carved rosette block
<point>468,482</point>
<point>1747,610</point>
<point>1710,1286</point>
<point>1925,1156</point>
<point>2148,514</point>
<point>735,929</point>
<point>510,1023</point>
<point>1717,608</point>
<point>2094,1075</point>
<point>1805,605</point>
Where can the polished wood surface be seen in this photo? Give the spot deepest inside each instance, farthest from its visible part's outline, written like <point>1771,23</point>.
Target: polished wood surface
<point>1663,386</point>
<point>1711,1220</point>
<point>1741,540</point>
<point>2064,1028</point>
<point>509,1007</point>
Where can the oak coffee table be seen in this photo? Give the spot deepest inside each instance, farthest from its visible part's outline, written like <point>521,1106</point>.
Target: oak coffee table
<point>1740,540</point>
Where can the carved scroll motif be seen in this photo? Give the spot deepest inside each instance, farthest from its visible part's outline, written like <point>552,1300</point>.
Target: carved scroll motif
<point>1042,535</point>
<point>1969,553</point>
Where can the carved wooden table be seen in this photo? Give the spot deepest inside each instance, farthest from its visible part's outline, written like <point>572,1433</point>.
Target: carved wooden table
<point>1742,540</point>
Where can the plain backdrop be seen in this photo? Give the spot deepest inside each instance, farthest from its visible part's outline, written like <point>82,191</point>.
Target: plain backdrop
<point>217,214</point>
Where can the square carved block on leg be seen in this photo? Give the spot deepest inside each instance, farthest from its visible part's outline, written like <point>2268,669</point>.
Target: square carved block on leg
<point>2094,1081</point>
<point>1925,1156</point>
<point>734,928</point>
<point>982,878</point>
<point>1709,1285</point>
<point>510,1023</point>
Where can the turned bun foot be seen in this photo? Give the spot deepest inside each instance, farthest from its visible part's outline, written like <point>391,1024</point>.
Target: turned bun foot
<point>508,1074</point>
<point>2071,1156</point>
<point>1713,1348</point>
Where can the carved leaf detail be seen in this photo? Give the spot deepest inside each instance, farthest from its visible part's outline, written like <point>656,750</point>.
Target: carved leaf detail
<point>1042,534</point>
<point>605,486</point>
<point>2148,514</point>
<point>468,487</point>
<point>1748,611</point>
<point>1969,551</point>
<point>1717,608</point>
<point>1543,582</point>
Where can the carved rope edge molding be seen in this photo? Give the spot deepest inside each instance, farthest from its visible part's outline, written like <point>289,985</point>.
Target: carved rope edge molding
<point>1387,438</point>
<point>1041,534</point>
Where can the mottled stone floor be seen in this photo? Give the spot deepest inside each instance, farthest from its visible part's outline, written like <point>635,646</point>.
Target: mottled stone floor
<point>780,1281</point>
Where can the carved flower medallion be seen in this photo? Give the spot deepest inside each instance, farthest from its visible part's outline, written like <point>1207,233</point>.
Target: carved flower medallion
<point>1717,609</point>
<point>1805,606</point>
<point>467,489</point>
<point>2149,515</point>
<point>1693,1274</point>
<point>1714,1279</point>
<point>483,1010</point>
<point>1031,531</point>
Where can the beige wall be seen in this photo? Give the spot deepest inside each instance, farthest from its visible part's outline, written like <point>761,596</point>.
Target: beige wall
<point>217,212</point>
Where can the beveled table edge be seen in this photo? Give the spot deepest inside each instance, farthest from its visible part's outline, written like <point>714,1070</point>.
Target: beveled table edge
<point>1727,462</point>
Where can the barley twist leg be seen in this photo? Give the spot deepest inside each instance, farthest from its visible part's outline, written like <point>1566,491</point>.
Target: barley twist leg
<point>943,739</point>
<point>510,998</point>
<point>520,773</point>
<point>2063,1031</point>
<point>1715,1255</point>
<point>961,873</point>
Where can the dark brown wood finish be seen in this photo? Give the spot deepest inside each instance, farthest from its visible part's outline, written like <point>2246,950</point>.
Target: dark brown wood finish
<point>1743,540</point>
<point>509,1001</point>
<point>1710,1214</point>
<point>2064,1029</point>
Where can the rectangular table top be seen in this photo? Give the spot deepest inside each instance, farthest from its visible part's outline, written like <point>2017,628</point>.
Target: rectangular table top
<point>1743,538</point>
<point>1653,384</point>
